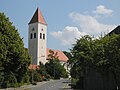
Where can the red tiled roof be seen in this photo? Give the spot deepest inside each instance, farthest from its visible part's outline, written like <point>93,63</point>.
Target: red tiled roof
<point>38,17</point>
<point>33,67</point>
<point>60,54</point>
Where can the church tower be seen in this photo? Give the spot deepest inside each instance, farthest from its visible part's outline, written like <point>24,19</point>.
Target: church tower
<point>37,38</point>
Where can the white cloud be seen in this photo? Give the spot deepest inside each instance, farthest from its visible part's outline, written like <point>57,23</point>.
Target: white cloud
<point>102,10</point>
<point>68,35</point>
<point>90,24</point>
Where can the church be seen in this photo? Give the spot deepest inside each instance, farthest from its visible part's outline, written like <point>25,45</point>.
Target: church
<point>37,41</point>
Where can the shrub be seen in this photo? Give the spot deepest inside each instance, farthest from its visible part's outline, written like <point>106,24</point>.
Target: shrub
<point>34,83</point>
<point>26,79</point>
<point>37,77</point>
<point>9,81</point>
<point>1,80</point>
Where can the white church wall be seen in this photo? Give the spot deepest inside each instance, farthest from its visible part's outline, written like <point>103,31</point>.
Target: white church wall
<point>42,43</point>
<point>32,43</point>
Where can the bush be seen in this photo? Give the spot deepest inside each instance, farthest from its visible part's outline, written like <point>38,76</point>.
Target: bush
<point>34,83</point>
<point>57,77</point>
<point>1,80</point>
<point>9,81</point>
<point>26,79</point>
<point>48,76</point>
<point>77,83</point>
<point>65,74</point>
<point>37,77</point>
<point>74,81</point>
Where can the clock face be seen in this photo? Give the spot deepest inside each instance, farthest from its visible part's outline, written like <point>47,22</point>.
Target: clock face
<point>33,29</point>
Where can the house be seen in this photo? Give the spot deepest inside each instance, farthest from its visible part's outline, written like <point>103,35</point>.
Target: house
<point>115,31</point>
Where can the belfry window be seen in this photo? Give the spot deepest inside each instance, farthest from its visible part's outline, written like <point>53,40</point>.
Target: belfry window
<point>34,35</point>
<point>43,36</point>
<point>40,35</point>
<point>31,35</point>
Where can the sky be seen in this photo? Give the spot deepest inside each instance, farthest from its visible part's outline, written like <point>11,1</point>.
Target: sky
<point>67,20</point>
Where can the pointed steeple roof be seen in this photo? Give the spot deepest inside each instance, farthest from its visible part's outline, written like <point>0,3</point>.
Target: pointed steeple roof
<point>38,17</point>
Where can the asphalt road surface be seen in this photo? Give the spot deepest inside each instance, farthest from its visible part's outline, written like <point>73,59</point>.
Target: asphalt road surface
<point>62,84</point>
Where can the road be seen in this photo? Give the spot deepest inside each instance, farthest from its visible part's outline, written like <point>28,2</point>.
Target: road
<point>62,84</point>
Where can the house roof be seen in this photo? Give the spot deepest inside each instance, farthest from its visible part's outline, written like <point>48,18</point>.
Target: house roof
<point>60,54</point>
<point>115,31</point>
<point>38,17</point>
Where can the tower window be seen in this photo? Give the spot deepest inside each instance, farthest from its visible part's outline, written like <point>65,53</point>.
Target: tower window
<point>31,36</point>
<point>40,35</point>
<point>43,36</point>
<point>34,35</point>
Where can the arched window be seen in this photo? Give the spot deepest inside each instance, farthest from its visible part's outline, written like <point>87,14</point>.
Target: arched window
<point>34,35</point>
<point>43,36</point>
<point>31,36</point>
<point>40,35</point>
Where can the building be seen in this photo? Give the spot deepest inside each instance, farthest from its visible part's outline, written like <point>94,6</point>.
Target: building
<point>115,31</point>
<point>37,40</point>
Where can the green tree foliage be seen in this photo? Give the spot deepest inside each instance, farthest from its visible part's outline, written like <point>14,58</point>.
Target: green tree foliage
<point>14,57</point>
<point>53,67</point>
<point>69,55</point>
<point>42,69</point>
<point>111,59</point>
<point>101,55</point>
<point>9,81</point>
<point>82,56</point>
<point>35,76</point>
<point>39,74</point>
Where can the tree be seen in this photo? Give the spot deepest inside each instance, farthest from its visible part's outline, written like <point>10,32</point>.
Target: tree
<point>14,57</point>
<point>99,55</point>
<point>42,69</point>
<point>69,55</point>
<point>53,67</point>
<point>112,56</point>
<point>82,56</point>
